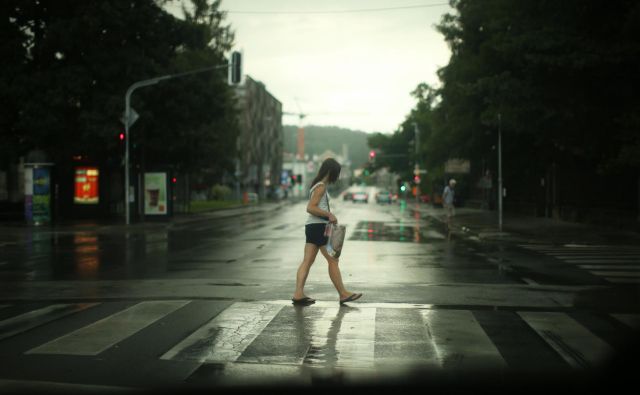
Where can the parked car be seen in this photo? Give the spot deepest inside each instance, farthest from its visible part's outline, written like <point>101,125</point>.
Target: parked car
<point>360,196</point>
<point>425,198</point>
<point>383,197</point>
<point>347,196</point>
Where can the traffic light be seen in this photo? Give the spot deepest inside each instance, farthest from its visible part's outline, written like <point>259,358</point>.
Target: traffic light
<point>372,154</point>
<point>299,178</point>
<point>236,67</point>
<point>121,136</point>
<point>416,179</point>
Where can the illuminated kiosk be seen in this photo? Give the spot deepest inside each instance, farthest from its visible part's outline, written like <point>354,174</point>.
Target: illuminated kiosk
<point>37,193</point>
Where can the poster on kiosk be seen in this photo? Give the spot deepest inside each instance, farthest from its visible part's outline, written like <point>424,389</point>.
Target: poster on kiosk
<point>37,194</point>
<point>155,194</point>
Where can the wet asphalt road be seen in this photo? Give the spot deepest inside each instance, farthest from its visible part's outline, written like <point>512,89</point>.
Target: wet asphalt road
<point>206,303</point>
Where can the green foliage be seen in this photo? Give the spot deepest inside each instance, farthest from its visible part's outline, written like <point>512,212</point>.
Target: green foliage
<point>70,62</point>
<point>220,192</point>
<point>318,139</point>
<point>560,75</point>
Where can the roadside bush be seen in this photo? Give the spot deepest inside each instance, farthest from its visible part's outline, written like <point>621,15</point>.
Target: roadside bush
<point>220,192</point>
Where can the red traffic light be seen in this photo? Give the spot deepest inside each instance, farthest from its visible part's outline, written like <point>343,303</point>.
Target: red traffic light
<point>372,154</point>
<point>174,180</point>
<point>416,179</point>
<point>121,136</point>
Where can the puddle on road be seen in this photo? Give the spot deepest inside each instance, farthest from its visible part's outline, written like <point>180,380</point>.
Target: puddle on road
<point>414,231</point>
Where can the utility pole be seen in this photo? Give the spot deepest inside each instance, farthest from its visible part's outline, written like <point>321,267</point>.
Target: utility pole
<point>234,67</point>
<point>500,171</point>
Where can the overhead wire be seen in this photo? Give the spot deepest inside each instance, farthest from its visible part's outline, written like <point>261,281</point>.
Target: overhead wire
<point>361,10</point>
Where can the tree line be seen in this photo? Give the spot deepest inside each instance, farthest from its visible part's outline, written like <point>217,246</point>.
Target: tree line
<point>559,79</point>
<point>318,139</point>
<point>68,63</point>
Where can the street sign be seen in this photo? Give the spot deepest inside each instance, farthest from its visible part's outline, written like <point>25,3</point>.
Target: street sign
<point>461,166</point>
<point>133,116</point>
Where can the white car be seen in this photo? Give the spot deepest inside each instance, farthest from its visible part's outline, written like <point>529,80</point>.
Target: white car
<point>360,196</point>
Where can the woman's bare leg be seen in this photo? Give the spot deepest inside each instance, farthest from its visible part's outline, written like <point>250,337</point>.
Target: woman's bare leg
<point>310,252</point>
<point>334,273</point>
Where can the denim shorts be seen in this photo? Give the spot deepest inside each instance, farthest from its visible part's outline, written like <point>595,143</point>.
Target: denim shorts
<point>315,234</point>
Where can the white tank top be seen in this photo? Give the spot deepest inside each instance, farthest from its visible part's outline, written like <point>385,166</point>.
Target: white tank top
<point>323,205</point>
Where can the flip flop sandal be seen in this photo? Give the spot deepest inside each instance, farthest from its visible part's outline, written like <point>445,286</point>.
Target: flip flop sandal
<point>304,301</point>
<point>350,298</point>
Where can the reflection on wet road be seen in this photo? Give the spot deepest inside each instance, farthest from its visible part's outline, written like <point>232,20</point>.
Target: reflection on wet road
<point>251,248</point>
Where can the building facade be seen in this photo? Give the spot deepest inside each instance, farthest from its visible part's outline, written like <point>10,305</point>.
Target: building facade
<point>259,145</point>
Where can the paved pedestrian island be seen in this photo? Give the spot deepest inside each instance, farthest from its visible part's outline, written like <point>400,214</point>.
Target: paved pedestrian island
<point>170,342</point>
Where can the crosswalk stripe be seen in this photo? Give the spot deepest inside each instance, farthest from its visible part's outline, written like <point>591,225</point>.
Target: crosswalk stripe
<point>225,337</point>
<point>631,257</point>
<point>623,280</point>
<point>573,250</point>
<point>615,274</point>
<point>615,264</point>
<point>459,341</point>
<point>632,320</point>
<point>601,261</point>
<point>101,335</point>
<point>365,335</point>
<point>577,345</point>
<point>35,318</point>
<point>609,267</point>
<point>346,334</point>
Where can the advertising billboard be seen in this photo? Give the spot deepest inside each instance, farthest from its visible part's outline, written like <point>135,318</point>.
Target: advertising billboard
<point>155,193</point>
<point>86,181</point>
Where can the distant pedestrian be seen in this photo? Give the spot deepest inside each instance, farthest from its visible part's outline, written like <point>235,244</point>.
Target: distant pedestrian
<point>319,216</point>
<point>448,197</point>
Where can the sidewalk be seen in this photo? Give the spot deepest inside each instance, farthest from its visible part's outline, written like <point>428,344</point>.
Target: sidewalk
<point>118,224</point>
<point>483,225</point>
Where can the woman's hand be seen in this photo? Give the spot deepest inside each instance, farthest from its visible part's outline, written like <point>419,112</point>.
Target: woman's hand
<point>333,219</point>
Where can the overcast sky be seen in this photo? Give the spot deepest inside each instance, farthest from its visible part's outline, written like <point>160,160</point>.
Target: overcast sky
<point>350,69</point>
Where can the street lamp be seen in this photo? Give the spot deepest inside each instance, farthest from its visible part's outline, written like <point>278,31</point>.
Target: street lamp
<point>235,70</point>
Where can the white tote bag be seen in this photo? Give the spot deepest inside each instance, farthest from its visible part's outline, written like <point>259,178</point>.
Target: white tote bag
<point>335,234</point>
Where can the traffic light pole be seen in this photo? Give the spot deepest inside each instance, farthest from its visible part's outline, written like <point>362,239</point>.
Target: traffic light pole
<point>500,191</point>
<point>127,123</point>
<point>417,165</point>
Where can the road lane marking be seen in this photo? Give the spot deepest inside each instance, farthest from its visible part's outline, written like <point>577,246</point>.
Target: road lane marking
<point>615,274</point>
<point>632,320</point>
<point>34,318</point>
<point>577,345</point>
<point>459,341</point>
<point>225,337</point>
<point>609,267</point>
<point>101,335</point>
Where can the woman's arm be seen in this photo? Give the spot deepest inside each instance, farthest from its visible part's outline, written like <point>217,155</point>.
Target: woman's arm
<point>312,207</point>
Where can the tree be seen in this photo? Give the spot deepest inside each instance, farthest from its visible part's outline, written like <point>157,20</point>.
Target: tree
<point>560,74</point>
<point>70,63</point>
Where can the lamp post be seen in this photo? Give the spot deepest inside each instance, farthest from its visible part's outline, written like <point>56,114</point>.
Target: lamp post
<point>234,66</point>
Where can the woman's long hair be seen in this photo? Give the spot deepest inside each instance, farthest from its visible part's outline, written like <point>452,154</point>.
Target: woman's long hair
<point>331,167</point>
